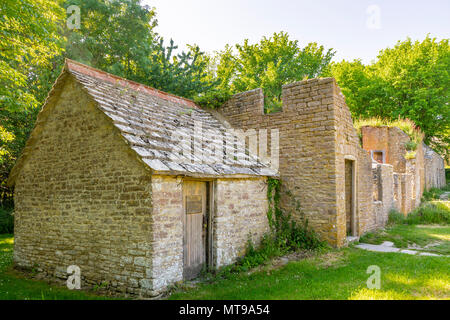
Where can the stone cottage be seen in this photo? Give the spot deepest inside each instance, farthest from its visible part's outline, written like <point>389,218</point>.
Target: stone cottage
<point>102,185</point>
<point>141,189</point>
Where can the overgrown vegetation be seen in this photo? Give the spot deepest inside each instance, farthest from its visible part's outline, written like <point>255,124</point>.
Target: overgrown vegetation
<point>435,193</point>
<point>286,235</point>
<point>6,220</point>
<point>433,212</point>
<point>426,228</point>
<point>409,80</point>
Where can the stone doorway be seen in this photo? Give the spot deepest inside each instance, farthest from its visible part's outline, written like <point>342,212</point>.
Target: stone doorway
<point>350,198</point>
<point>196,221</point>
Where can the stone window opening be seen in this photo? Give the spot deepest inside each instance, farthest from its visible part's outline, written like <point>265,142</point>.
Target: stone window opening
<point>378,156</point>
<point>273,102</point>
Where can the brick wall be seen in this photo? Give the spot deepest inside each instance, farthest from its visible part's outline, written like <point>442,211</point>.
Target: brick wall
<point>83,198</point>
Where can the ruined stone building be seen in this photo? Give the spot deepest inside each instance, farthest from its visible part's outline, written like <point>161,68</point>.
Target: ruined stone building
<point>105,182</point>
<point>410,176</point>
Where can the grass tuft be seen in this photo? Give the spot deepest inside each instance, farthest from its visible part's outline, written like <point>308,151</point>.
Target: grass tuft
<point>409,127</point>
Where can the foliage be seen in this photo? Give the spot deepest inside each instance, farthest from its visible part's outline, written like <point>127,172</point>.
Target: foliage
<point>30,40</point>
<point>269,64</point>
<point>119,37</point>
<point>286,234</point>
<point>435,193</point>
<point>115,36</point>
<point>6,221</point>
<point>408,81</point>
<point>434,212</point>
<point>409,127</point>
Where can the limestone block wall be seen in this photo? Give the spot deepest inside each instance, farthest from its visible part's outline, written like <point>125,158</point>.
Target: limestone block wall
<point>315,135</point>
<point>166,232</point>
<point>391,140</point>
<point>413,175</point>
<point>348,147</point>
<point>434,167</point>
<point>240,214</point>
<point>397,192</point>
<point>384,203</point>
<point>83,198</point>
<point>407,181</point>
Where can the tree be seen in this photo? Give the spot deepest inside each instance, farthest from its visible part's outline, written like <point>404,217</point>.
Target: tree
<point>410,81</point>
<point>119,37</point>
<point>269,64</point>
<point>29,40</point>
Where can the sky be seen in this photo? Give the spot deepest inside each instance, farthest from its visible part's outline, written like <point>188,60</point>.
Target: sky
<point>355,29</point>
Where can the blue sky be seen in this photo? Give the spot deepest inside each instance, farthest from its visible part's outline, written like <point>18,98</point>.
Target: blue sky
<point>350,27</point>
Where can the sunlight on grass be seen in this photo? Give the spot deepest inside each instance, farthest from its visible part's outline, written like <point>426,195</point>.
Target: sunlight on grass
<point>399,278</point>
<point>8,241</point>
<point>439,284</point>
<point>374,294</point>
<point>441,236</point>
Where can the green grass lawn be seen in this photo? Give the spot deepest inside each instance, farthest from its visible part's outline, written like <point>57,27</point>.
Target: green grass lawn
<point>334,274</point>
<point>338,274</point>
<point>14,286</point>
<point>421,235</point>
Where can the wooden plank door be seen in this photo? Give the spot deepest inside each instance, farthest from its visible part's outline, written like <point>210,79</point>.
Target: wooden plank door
<point>195,227</point>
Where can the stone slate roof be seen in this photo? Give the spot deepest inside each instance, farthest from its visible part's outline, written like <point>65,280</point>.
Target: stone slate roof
<point>147,119</point>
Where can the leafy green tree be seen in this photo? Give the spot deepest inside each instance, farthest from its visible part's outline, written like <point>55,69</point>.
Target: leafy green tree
<point>115,36</point>
<point>269,64</point>
<point>410,81</point>
<point>119,37</point>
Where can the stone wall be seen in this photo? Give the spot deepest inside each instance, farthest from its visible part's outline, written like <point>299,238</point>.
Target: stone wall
<point>384,202</point>
<point>240,214</point>
<point>391,140</point>
<point>167,232</point>
<point>412,174</point>
<point>348,147</point>
<point>83,198</point>
<point>316,134</point>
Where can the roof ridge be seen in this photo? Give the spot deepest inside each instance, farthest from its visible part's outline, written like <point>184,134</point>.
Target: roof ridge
<point>72,65</point>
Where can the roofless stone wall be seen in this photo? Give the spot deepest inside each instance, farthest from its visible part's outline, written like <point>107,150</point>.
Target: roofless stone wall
<point>316,135</point>
<point>434,169</point>
<point>409,184</point>
<point>82,198</point>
